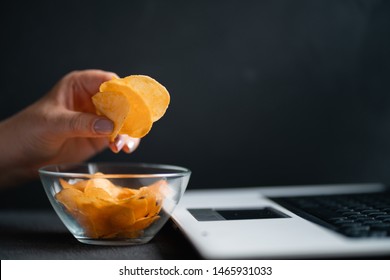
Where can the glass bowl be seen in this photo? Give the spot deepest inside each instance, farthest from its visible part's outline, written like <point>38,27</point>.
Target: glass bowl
<point>114,203</point>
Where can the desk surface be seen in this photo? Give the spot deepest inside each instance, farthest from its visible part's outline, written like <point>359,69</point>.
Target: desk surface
<point>40,234</point>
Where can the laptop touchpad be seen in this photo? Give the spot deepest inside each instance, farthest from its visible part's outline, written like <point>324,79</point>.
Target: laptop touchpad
<point>204,215</point>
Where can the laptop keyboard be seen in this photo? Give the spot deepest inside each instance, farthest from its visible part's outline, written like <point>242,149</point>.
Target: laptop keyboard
<point>353,215</point>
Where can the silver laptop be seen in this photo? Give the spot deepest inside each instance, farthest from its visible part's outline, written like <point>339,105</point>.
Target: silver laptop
<point>328,221</point>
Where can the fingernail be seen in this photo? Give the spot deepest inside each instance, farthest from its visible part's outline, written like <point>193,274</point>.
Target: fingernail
<point>103,126</point>
<point>119,143</point>
<point>130,145</point>
<point>113,147</point>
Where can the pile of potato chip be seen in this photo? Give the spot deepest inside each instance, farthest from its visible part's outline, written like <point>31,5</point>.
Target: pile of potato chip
<point>105,210</point>
<point>133,103</point>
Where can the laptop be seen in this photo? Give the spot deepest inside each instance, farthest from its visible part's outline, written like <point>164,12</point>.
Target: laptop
<point>287,222</point>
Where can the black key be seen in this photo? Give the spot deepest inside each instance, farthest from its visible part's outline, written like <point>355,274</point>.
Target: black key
<point>343,210</point>
<point>343,222</point>
<point>356,233</point>
<point>374,214</point>
<point>361,208</point>
<point>379,233</point>
<point>362,219</point>
<point>337,219</point>
<point>369,211</point>
<point>384,226</point>
<point>356,216</point>
<point>354,225</point>
<point>348,213</point>
<point>383,217</point>
<point>372,222</point>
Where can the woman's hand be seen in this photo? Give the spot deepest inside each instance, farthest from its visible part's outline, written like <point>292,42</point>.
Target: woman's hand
<point>60,127</point>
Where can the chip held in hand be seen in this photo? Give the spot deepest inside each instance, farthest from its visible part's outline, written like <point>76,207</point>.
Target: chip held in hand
<point>133,103</point>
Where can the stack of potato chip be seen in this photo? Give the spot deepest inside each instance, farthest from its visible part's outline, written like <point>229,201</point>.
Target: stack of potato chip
<point>133,103</point>
<point>105,210</point>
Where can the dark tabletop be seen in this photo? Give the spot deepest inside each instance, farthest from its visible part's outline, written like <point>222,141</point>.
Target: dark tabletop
<point>30,229</point>
<point>40,234</point>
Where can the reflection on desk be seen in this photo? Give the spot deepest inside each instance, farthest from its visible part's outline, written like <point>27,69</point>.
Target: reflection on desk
<point>39,234</point>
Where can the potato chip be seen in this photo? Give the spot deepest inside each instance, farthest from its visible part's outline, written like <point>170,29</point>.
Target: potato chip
<point>108,220</point>
<point>68,197</point>
<point>102,188</point>
<point>79,185</point>
<point>133,103</point>
<point>93,192</point>
<point>143,223</point>
<point>121,217</point>
<point>155,95</point>
<point>138,204</point>
<point>129,112</point>
<point>113,105</point>
<point>98,222</point>
<point>158,186</point>
<point>153,201</point>
<point>87,225</point>
<point>125,193</point>
<point>73,199</point>
<point>105,210</point>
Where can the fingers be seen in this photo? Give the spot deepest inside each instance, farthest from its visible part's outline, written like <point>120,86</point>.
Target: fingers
<point>102,126</point>
<point>89,80</point>
<point>124,143</point>
<point>87,125</point>
<point>77,124</point>
<point>76,118</point>
<point>75,115</point>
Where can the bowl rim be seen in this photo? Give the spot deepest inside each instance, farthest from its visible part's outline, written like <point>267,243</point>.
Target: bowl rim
<point>180,171</point>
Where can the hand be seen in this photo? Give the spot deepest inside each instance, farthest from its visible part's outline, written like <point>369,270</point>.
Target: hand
<point>60,127</point>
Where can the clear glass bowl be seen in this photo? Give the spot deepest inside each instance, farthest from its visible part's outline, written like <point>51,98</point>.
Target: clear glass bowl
<point>114,203</point>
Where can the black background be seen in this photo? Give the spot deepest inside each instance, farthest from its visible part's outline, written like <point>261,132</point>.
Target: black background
<point>262,92</point>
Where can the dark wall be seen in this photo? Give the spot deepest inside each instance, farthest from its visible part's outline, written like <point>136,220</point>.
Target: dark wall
<point>263,92</point>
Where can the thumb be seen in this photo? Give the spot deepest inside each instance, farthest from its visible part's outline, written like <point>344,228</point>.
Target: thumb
<point>78,124</point>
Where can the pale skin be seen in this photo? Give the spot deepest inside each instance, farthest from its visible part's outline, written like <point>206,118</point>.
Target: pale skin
<point>60,127</point>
